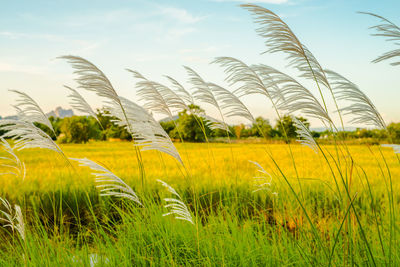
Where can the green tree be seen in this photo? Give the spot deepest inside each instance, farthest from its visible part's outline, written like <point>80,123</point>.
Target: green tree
<point>286,124</point>
<point>79,129</point>
<point>168,126</point>
<point>189,127</point>
<point>261,127</point>
<point>109,128</point>
<point>55,122</point>
<point>394,131</point>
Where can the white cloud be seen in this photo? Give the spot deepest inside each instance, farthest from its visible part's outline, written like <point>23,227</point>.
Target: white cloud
<point>179,32</point>
<point>180,15</point>
<point>204,49</point>
<point>173,35</point>
<point>99,19</point>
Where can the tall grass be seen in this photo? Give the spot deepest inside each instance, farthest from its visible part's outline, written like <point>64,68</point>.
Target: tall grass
<point>342,220</point>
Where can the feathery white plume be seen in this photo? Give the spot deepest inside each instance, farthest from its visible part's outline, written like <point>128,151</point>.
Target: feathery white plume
<point>108,183</point>
<point>263,182</point>
<point>362,109</point>
<point>391,32</point>
<point>177,207</point>
<point>230,104</point>
<point>91,78</point>
<point>240,73</point>
<point>250,82</point>
<point>158,98</point>
<point>13,163</point>
<point>293,97</point>
<point>211,122</point>
<point>29,110</point>
<point>203,93</point>
<point>305,137</point>
<point>80,104</point>
<point>147,132</point>
<point>13,219</point>
<point>27,135</point>
<point>280,38</point>
<point>181,91</point>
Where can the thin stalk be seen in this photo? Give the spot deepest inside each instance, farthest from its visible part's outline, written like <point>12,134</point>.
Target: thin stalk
<point>355,212</point>
<point>375,215</point>
<point>392,211</point>
<point>314,230</point>
<point>288,142</point>
<point>340,230</point>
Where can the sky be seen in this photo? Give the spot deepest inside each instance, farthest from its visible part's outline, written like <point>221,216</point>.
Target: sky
<point>158,38</point>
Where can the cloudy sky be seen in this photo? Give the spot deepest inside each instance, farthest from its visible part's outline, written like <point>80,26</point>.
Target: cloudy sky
<point>157,38</point>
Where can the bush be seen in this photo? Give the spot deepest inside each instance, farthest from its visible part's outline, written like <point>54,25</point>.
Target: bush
<point>79,129</point>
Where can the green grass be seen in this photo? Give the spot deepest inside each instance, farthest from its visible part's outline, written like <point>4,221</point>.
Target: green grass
<point>68,224</point>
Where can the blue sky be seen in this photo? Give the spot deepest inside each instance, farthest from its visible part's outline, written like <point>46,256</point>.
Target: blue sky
<point>157,38</point>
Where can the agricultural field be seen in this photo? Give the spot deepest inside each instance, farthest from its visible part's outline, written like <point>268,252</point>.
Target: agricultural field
<point>263,156</point>
<point>209,165</point>
<point>235,221</point>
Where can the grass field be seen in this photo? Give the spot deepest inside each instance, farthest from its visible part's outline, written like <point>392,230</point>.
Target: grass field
<point>69,224</point>
<point>240,204</point>
<point>210,165</point>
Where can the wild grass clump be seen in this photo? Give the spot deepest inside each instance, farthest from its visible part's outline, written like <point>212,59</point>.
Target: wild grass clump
<point>313,205</point>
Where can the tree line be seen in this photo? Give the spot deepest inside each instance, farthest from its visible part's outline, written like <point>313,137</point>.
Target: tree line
<point>189,127</point>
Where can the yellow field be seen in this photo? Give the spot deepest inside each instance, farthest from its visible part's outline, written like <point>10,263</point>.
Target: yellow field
<point>218,190</point>
<point>210,165</point>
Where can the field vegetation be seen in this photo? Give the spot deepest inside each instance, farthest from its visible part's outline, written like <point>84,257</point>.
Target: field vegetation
<point>152,201</point>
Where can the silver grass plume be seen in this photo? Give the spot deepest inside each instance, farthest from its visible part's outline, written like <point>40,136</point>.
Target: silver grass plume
<point>13,218</point>
<point>146,131</point>
<point>250,82</point>
<point>80,104</point>
<point>12,162</point>
<point>29,110</point>
<point>91,78</point>
<point>396,148</point>
<point>305,136</point>
<point>108,183</point>
<point>240,73</point>
<point>181,91</point>
<point>263,182</point>
<point>27,135</point>
<point>280,38</point>
<point>391,32</point>
<point>176,206</point>
<point>293,97</point>
<point>203,93</point>
<point>230,104</point>
<point>212,123</point>
<point>158,98</point>
<point>361,108</point>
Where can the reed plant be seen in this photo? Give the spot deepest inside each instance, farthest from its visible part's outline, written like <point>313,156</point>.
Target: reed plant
<point>342,219</point>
